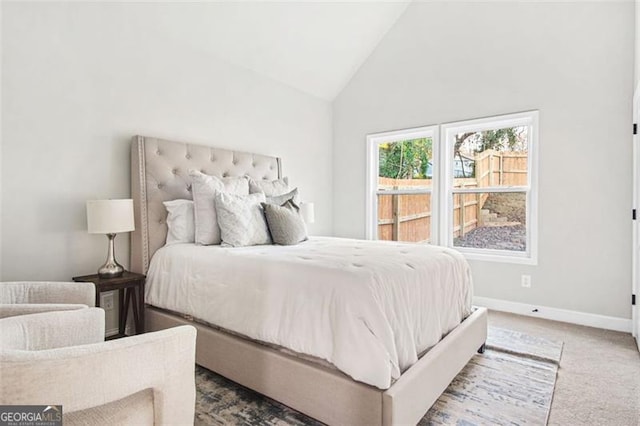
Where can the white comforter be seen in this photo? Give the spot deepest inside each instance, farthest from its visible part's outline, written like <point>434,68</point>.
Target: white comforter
<point>367,307</point>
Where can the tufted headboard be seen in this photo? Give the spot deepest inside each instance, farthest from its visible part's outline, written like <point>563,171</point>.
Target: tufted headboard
<point>160,172</point>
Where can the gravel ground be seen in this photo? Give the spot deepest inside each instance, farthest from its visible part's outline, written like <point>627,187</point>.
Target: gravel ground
<point>495,237</point>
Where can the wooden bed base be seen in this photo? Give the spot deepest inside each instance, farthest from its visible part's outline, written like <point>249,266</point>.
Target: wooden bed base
<point>329,395</point>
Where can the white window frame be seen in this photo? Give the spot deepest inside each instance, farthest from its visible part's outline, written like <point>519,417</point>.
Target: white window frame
<point>373,142</point>
<point>448,133</point>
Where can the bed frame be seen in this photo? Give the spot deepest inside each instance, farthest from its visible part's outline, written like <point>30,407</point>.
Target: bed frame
<point>160,172</point>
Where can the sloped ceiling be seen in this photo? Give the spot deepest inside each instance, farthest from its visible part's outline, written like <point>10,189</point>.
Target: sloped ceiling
<point>315,47</point>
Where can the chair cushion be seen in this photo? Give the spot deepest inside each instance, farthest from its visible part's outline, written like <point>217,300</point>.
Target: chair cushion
<point>47,292</point>
<point>50,330</point>
<point>12,310</point>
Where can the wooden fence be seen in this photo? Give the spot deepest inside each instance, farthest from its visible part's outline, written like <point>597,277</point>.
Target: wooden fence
<point>407,217</point>
<point>404,217</point>
<point>495,168</point>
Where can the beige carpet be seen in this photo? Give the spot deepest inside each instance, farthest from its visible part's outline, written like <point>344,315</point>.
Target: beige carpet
<point>599,376</point>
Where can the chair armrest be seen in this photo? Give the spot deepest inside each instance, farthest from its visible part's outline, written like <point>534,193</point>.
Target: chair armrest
<point>49,330</point>
<point>48,292</point>
<point>87,376</point>
<point>11,310</point>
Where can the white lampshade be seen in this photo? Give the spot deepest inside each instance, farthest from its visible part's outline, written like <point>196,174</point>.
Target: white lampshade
<point>110,216</point>
<point>308,212</point>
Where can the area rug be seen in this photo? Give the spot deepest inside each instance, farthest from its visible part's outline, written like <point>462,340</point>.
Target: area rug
<point>512,383</point>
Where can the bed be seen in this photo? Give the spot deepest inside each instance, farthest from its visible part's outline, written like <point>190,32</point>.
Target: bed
<point>160,172</point>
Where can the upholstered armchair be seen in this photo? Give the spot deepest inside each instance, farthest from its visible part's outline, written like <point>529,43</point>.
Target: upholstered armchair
<point>52,352</point>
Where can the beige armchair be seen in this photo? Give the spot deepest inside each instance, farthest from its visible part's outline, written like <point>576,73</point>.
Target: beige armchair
<point>52,351</point>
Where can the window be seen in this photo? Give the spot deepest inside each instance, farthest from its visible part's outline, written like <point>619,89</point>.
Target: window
<point>489,207</point>
<point>476,192</point>
<point>401,191</point>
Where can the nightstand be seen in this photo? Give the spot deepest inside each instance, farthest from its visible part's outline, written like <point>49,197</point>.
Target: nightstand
<point>130,288</point>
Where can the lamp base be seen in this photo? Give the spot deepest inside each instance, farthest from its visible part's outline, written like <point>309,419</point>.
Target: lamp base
<point>111,268</point>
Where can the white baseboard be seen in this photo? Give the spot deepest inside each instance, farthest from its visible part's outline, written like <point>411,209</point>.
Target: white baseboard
<point>574,317</point>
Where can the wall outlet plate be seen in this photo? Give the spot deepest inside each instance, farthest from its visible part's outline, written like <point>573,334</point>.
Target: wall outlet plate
<point>526,281</point>
<point>106,301</point>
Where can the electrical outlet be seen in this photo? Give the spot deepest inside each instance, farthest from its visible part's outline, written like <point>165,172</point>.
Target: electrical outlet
<point>526,281</point>
<point>106,301</point>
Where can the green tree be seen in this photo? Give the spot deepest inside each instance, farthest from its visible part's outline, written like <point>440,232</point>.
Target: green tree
<point>408,159</point>
<point>510,138</point>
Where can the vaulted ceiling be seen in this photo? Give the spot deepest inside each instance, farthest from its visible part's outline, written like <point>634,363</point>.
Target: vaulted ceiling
<point>315,47</point>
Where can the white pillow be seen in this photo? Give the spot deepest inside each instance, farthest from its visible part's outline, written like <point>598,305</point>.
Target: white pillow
<point>269,187</point>
<point>180,222</point>
<point>204,189</point>
<point>241,219</point>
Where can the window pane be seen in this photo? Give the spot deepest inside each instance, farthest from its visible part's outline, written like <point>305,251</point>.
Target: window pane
<point>492,157</point>
<point>405,164</point>
<point>491,221</point>
<point>404,217</point>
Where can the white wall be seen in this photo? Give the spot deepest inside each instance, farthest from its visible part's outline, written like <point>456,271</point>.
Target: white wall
<point>1,133</point>
<point>637,53</point>
<point>79,80</point>
<point>447,62</point>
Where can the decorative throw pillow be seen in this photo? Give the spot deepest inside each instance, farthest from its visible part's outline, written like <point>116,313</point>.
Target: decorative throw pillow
<point>204,189</point>
<point>269,187</point>
<point>241,219</point>
<point>180,221</point>
<point>285,223</point>
<point>281,199</point>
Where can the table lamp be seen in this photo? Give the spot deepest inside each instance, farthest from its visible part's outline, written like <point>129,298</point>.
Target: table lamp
<point>110,217</point>
<point>307,212</point>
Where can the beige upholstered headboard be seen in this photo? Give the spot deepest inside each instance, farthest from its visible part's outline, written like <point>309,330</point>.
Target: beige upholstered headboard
<point>160,172</point>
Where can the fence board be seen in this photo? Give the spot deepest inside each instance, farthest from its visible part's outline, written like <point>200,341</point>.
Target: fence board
<point>408,217</point>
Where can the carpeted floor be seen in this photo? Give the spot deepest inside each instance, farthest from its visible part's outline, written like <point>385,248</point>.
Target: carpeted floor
<point>511,383</point>
<point>599,376</point>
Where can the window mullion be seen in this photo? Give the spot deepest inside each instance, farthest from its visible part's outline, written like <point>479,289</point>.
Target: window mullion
<point>404,192</point>
<point>495,189</point>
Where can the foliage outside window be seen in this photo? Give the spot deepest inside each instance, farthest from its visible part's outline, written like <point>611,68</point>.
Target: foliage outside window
<point>406,159</point>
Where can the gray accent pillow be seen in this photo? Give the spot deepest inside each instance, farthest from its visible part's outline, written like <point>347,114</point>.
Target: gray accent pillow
<point>279,200</point>
<point>269,187</point>
<point>285,223</point>
<point>241,219</point>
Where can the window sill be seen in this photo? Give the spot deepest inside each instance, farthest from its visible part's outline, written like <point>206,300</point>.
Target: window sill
<point>498,256</point>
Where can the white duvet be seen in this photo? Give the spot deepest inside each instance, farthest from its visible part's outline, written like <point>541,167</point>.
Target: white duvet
<point>367,307</point>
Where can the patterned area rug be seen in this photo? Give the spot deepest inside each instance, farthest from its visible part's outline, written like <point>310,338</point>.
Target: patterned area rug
<point>512,383</point>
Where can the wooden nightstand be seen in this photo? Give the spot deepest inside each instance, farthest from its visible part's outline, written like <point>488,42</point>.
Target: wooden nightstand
<point>130,286</point>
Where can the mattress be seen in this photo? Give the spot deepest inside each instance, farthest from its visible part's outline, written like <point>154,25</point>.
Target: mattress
<point>367,307</point>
